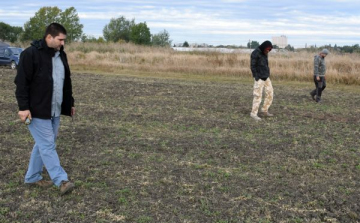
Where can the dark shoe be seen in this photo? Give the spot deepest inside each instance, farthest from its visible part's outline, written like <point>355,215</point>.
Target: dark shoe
<point>66,186</point>
<point>42,184</point>
<point>313,96</point>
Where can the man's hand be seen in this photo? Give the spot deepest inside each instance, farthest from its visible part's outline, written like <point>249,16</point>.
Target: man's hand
<point>72,111</point>
<point>24,114</point>
<point>318,78</point>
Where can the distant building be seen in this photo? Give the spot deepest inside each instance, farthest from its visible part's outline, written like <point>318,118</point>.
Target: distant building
<point>280,41</point>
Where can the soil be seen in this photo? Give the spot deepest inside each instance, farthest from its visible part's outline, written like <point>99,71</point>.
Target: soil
<point>147,149</point>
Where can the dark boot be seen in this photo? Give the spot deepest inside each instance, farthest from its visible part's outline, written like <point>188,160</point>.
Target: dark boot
<point>41,183</point>
<point>66,186</point>
<point>313,94</point>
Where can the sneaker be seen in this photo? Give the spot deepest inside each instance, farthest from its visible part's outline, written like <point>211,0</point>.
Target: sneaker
<point>257,118</point>
<point>313,96</point>
<point>42,184</point>
<point>66,186</point>
<point>267,114</point>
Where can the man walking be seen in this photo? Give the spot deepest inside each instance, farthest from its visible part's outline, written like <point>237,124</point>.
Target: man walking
<point>43,93</point>
<point>261,73</point>
<point>319,75</point>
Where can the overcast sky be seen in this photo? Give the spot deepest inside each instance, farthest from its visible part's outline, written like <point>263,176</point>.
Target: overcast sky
<point>216,22</point>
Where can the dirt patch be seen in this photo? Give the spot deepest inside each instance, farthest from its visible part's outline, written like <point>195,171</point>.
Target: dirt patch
<point>162,150</point>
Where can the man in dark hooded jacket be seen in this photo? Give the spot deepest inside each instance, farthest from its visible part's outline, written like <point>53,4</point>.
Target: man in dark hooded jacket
<point>43,93</point>
<point>261,73</point>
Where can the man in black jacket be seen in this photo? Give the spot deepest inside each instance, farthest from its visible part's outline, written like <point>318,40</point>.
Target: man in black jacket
<point>261,73</point>
<point>43,93</point>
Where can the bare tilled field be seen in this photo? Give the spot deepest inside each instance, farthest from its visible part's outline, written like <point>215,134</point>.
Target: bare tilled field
<point>155,149</point>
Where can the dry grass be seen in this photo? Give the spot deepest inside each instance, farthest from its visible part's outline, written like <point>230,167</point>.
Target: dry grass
<point>115,58</point>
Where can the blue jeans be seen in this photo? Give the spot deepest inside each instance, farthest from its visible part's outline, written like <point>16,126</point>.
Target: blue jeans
<point>44,132</point>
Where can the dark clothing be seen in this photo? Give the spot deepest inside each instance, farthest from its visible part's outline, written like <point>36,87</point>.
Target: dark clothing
<point>319,87</point>
<point>319,71</point>
<point>266,44</point>
<point>34,82</point>
<point>259,65</point>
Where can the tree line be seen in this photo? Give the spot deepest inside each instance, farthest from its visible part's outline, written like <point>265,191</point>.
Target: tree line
<point>117,30</point>
<point>341,49</point>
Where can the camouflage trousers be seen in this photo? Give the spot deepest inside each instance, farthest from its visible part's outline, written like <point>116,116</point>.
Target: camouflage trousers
<point>258,92</point>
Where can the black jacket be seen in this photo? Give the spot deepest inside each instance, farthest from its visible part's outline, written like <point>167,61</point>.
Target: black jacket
<point>259,62</point>
<point>34,82</point>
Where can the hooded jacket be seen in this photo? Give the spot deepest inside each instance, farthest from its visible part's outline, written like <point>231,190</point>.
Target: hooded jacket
<point>319,66</point>
<point>34,82</point>
<point>259,62</point>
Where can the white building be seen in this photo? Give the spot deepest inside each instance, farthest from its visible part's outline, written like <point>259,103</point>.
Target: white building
<point>280,41</point>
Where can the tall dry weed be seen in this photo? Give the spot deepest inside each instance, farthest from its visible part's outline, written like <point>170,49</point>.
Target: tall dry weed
<point>115,57</point>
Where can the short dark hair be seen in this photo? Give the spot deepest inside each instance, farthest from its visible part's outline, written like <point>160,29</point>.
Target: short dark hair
<point>54,29</point>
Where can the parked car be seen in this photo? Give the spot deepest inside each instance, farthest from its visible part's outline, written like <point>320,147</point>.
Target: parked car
<point>9,56</point>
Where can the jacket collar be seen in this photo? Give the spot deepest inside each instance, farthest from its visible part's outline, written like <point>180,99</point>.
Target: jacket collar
<point>41,45</point>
